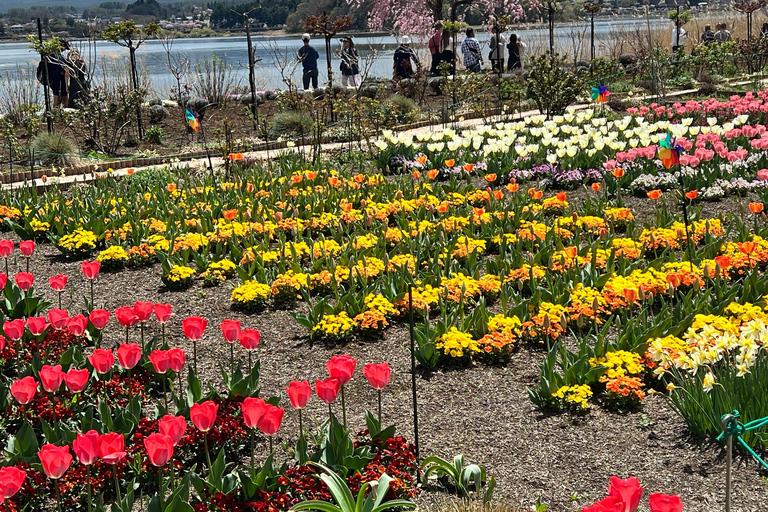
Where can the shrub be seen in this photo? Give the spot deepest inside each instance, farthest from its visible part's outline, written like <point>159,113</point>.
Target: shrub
<point>400,109</point>
<point>157,113</point>
<point>151,177</point>
<point>551,85</point>
<point>54,149</point>
<point>215,80</point>
<point>290,123</point>
<point>154,135</point>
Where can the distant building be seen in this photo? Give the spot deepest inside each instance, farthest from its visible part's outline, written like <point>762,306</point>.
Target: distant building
<point>17,29</point>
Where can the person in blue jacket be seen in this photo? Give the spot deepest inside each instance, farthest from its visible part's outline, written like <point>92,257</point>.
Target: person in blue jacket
<point>308,57</point>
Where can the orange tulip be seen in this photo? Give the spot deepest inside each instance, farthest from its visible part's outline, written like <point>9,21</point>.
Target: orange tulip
<point>654,194</point>
<point>333,181</point>
<point>422,159</point>
<point>235,156</point>
<point>479,211</point>
<point>674,279</point>
<point>311,175</point>
<point>490,178</point>
<point>618,173</point>
<point>513,187</point>
<point>596,187</point>
<point>171,187</point>
<point>296,178</point>
<point>535,194</point>
<point>432,174</point>
<point>691,194</point>
<point>442,207</point>
<point>571,252</point>
<point>561,196</point>
<point>498,194</point>
<point>756,207</point>
<point>347,207</point>
<point>416,175</point>
<point>469,167</point>
<point>130,171</point>
<point>747,247</point>
<point>450,163</point>
<point>359,178</point>
<point>230,214</point>
<point>250,188</point>
<point>630,294</point>
<point>723,261</point>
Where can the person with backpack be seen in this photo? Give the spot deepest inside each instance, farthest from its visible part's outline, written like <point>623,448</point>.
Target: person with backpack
<point>79,83</point>
<point>514,60</point>
<point>349,63</point>
<point>470,50</point>
<point>57,79</point>
<point>403,68</point>
<point>308,57</point>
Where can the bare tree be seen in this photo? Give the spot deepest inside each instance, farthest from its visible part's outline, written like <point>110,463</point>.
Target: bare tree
<point>178,64</point>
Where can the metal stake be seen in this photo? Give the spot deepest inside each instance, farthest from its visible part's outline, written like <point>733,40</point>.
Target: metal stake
<point>413,382</point>
<point>725,424</point>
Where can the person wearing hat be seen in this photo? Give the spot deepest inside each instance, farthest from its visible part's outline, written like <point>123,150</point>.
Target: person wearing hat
<point>308,57</point>
<point>349,62</point>
<point>435,46</point>
<point>403,56</point>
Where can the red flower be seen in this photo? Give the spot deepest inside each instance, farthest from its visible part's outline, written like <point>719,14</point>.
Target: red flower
<point>76,380</point>
<point>173,426</point>
<point>161,360</point>
<point>327,389</point>
<point>90,269</point>
<point>86,447</point>
<point>58,282</point>
<point>377,374</point>
<point>27,247</point>
<point>24,280</point>
<point>112,447</point>
<point>249,338</point>
<point>102,360</point>
<point>272,419</point>
<point>665,503</point>
<point>37,325</point>
<point>143,310</point>
<point>77,325</point>
<point>129,355</point>
<point>177,359</point>
<point>253,411</point>
<point>203,415</point>
<point>163,312</point>
<point>14,329</point>
<point>3,281</point>
<point>51,377</point>
<point>230,329</point>
<point>299,393</point>
<point>11,479</point>
<point>194,327</point>
<point>59,318</point>
<point>159,448</point>
<point>628,491</point>
<point>341,368</point>
<point>126,316</point>
<point>609,504</point>
<point>55,460</point>
<point>99,318</point>
<point>23,390</point>
<point>6,248</point>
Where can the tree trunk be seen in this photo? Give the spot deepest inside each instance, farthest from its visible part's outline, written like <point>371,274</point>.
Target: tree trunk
<point>551,12</point>
<point>592,37</point>
<point>251,72</point>
<point>135,83</point>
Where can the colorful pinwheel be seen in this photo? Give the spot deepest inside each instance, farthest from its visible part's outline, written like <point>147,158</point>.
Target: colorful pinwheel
<point>669,151</point>
<point>192,120</point>
<point>600,94</point>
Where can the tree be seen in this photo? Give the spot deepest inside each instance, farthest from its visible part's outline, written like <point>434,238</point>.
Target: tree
<point>323,25</point>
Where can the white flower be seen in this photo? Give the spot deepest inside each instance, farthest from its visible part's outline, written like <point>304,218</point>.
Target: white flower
<point>709,382</point>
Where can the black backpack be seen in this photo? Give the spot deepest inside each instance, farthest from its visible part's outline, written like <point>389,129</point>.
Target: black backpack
<point>41,72</point>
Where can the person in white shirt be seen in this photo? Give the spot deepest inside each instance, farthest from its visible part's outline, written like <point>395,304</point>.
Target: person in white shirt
<point>679,35</point>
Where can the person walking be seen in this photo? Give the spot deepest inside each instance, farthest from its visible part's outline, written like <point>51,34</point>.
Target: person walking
<point>679,35</point>
<point>471,52</point>
<point>497,50</point>
<point>435,43</point>
<point>79,82</point>
<point>349,63</point>
<point>308,57</point>
<point>404,55</point>
<point>513,49</point>
<point>708,37</point>
<point>58,79</point>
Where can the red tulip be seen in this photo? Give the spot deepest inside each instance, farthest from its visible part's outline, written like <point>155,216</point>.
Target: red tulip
<point>299,393</point>
<point>11,479</point>
<point>163,312</point>
<point>55,460</point>
<point>143,310</point>
<point>177,357</point>
<point>609,504</point>
<point>59,318</point>
<point>203,415</point>
<point>24,280</point>
<point>161,360</point>
<point>126,316</point>
<point>272,419</point>
<point>27,247</point>
<point>231,330</point>
<point>86,447</point>
<point>377,374</point>
<point>327,389</point>
<point>14,329</point>
<point>2,343</point>
<point>112,447</point>
<point>194,327</point>
<point>102,360</point>
<point>23,390</point>
<point>159,449</point>
<point>6,248</point>
<point>76,380</point>
<point>249,339</point>
<point>3,281</point>
<point>129,355</point>
<point>51,377</point>
<point>90,269</point>
<point>58,282</point>
<point>99,318</point>
<point>173,426</point>
<point>77,325</point>
<point>341,368</point>
<point>665,503</point>
<point>628,491</point>
<point>37,325</point>
<point>253,411</point>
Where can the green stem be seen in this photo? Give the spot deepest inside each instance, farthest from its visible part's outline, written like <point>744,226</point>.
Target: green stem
<point>271,447</point>
<point>232,356</point>
<point>91,295</point>
<point>88,478</point>
<point>301,426</point>
<point>117,483</point>
<point>253,464</point>
<point>343,408</point>
<point>330,412</point>
<point>207,453</point>
<point>379,391</point>
<point>165,394</point>
<point>142,335</point>
<point>58,492</point>
<point>194,353</point>
<point>160,487</point>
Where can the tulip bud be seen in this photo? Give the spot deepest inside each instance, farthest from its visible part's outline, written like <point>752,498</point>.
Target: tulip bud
<point>399,194</point>
<point>650,298</point>
<point>718,269</point>
<point>680,234</point>
<point>580,321</point>
<point>641,292</point>
<point>652,240</point>
<point>563,322</point>
<point>278,216</point>
<point>295,212</point>
<point>520,284</point>
<point>546,323</point>
<point>595,305</point>
<point>696,284</point>
<point>369,221</point>
<point>575,216</point>
<point>671,289</point>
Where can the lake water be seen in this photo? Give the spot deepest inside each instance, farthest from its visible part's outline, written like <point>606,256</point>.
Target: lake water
<point>272,50</point>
